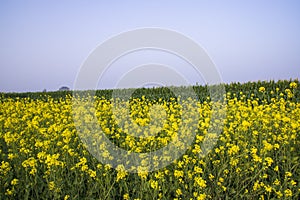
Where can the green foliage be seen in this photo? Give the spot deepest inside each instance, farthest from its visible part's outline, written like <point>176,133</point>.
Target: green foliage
<point>249,90</point>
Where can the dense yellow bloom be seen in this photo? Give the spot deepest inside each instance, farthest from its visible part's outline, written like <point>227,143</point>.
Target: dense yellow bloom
<point>256,186</point>
<point>4,168</point>
<point>143,172</point>
<point>121,172</point>
<point>199,181</point>
<point>178,174</point>
<point>234,149</point>
<point>52,160</point>
<point>233,161</point>
<point>268,188</point>
<point>255,155</point>
<point>198,170</point>
<point>92,173</point>
<point>30,162</point>
<point>269,161</point>
<point>201,197</point>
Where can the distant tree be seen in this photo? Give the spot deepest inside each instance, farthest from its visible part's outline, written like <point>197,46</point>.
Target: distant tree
<point>64,88</point>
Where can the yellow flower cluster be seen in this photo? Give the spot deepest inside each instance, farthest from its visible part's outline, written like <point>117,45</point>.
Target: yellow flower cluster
<point>256,155</point>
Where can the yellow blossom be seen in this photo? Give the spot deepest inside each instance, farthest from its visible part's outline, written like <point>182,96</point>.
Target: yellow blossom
<point>126,196</point>
<point>51,185</point>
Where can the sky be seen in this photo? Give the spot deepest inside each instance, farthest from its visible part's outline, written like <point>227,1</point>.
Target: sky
<point>43,44</point>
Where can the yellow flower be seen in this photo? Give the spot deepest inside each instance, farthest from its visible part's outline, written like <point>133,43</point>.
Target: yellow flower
<point>233,150</point>
<point>84,168</point>
<point>265,176</point>
<point>9,192</point>
<point>293,85</point>
<point>224,188</point>
<point>4,168</point>
<point>267,146</point>
<point>126,196</point>
<point>269,161</point>
<point>107,167</point>
<point>153,184</point>
<point>121,172</point>
<point>40,138</point>
<point>257,158</point>
<point>159,175</point>
<point>288,193</point>
<point>253,150</point>
<point>30,162</point>
<point>178,192</point>
<point>256,186</point>
<point>178,173</point>
<point>221,180</point>
<point>276,146</point>
<point>201,197</point>
<point>233,161</point>
<point>11,156</point>
<point>276,182</point>
<point>198,170</point>
<point>261,89</point>
<point>199,181</point>
<point>288,174</point>
<point>279,194</point>
<point>268,188</point>
<point>92,173</point>
<point>14,181</point>
<point>51,185</point>
<point>293,182</point>
<point>142,172</point>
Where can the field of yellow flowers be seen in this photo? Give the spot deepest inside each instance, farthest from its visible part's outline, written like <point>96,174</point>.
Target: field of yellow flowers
<point>257,154</point>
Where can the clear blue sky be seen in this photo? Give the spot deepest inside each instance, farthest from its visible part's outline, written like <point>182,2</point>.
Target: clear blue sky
<point>44,43</point>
